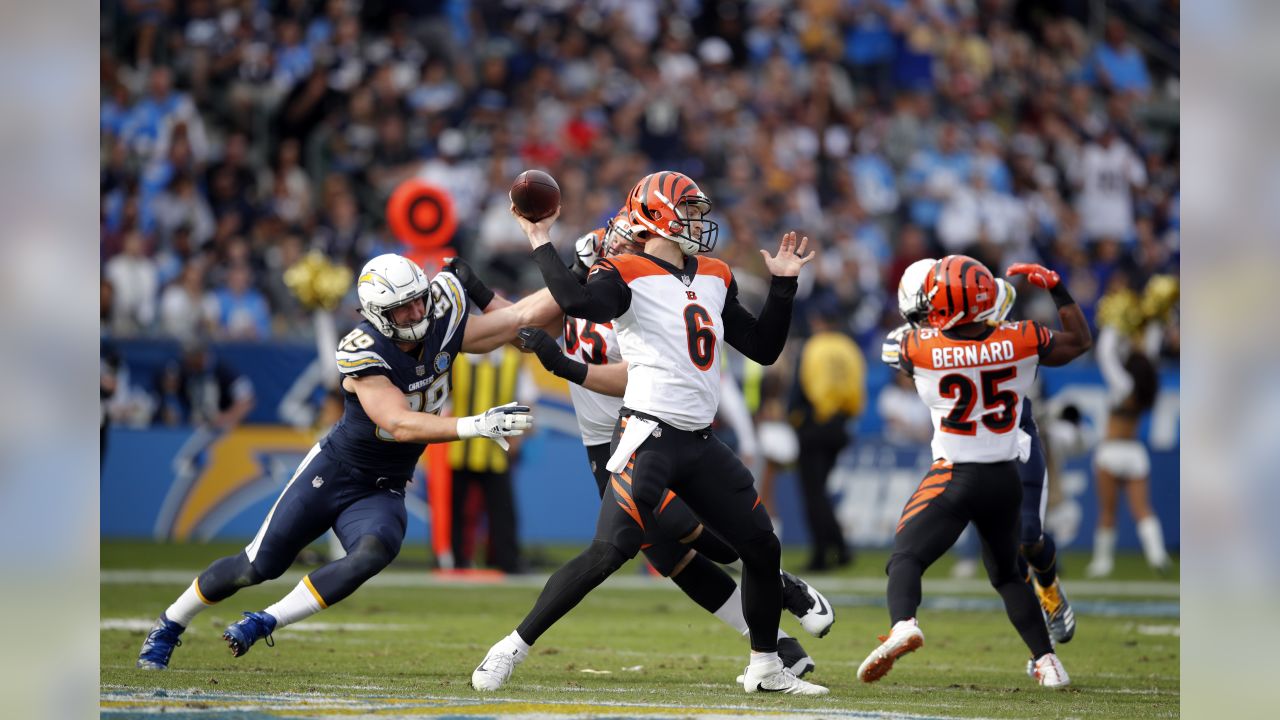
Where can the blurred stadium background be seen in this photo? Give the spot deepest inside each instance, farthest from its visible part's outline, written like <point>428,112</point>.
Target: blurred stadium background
<point>237,136</point>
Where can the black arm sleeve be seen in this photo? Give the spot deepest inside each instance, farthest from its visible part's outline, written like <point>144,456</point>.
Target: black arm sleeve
<point>604,297</point>
<point>760,338</point>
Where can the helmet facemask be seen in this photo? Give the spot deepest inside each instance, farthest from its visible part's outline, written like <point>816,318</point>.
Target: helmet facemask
<point>413,332</point>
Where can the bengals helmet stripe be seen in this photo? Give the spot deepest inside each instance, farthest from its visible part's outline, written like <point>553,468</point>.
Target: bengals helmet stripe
<point>968,287</point>
<point>664,203</point>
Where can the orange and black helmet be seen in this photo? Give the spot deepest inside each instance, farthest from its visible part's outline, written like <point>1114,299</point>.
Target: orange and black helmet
<point>959,290</point>
<point>670,205</point>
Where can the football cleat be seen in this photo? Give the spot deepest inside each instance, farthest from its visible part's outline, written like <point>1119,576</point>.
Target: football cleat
<point>905,637</point>
<point>794,658</point>
<point>808,605</point>
<point>242,635</point>
<point>774,677</point>
<point>495,670</point>
<point>159,645</point>
<point>1057,611</point>
<point>1048,671</point>
<point>1098,568</point>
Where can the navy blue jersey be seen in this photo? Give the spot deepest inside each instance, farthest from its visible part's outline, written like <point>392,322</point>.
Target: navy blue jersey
<point>422,374</point>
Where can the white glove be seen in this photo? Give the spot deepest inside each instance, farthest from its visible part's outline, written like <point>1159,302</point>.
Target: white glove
<point>586,249</point>
<point>497,423</point>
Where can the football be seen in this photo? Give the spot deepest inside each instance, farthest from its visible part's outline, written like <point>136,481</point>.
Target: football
<point>535,194</point>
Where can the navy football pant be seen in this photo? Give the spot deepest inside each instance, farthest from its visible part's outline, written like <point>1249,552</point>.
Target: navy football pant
<point>324,493</point>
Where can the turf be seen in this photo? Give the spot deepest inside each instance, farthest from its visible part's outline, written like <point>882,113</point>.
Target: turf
<point>404,646</point>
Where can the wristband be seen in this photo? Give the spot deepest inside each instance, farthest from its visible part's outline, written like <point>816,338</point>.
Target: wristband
<point>571,370</point>
<point>580,271</point>
<point>467,428</point>
<point>1060,296</point>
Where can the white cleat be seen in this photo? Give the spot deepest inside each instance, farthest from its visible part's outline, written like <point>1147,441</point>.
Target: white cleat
<point>1098,568</point>
<point>773,677</point>
<point>905,637</point>
<point>495,670</point>
<point>807,604</point>
<point>1048,671</point>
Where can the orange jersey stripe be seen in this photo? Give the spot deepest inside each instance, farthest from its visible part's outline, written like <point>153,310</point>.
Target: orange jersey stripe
<point>910,515</point>
<point>631,267</point>
<point>667,501</point>
<point>715,267</point>
<point>629,505</point>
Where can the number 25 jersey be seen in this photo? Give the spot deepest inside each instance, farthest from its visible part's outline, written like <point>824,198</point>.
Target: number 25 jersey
<point>974,387</point>
<point>593,344</point>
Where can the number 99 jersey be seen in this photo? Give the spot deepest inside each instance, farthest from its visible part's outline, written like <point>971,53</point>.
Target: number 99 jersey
<point>423,374</point>
<point>593,344</point>
<point>974,387</point>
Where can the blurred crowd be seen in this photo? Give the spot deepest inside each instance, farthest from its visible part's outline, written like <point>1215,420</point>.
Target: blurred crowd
<point>236,135</point>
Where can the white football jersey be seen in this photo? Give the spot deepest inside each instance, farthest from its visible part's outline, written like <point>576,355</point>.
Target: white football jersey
<point>974,388</point>
<point>671,337</point>
<point>594,344</point>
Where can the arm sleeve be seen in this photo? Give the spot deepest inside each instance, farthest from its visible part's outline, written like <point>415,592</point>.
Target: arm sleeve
<point>760,338</point>
<point>1108,352</point>
<point>604,297</point>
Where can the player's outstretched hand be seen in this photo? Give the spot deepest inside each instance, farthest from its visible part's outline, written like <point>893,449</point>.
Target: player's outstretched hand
<point>497,423</point>
<point>1039,275</point>
<point>540,343</point>
<point>479,293</point>
<point>539,233</point>
<point>790,257</point>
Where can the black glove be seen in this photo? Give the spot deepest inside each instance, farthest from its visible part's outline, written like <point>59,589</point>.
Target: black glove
<point>551,356</point>
<point>479,293</point>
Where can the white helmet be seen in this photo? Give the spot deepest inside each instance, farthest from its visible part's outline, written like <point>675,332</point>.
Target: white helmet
<point>1005,297</point>
<point>911,300</point>
<point>387,282</point>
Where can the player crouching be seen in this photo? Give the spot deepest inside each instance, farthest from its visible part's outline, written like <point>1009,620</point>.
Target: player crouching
<point>973,377</point>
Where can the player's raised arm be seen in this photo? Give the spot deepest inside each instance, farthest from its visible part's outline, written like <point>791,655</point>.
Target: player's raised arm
<point>387,407</point>
<point>610,379</point>
<point>1074,339</point>
<point>762,338</point>
<point>603,297</point>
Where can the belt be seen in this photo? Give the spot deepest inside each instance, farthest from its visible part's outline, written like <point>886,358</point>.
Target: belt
<point>703,432</point>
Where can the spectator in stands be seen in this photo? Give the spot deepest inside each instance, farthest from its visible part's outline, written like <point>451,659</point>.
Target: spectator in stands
<point>1117,64</point>
<point>134,281</point>
<point>242,310</point>
<point>187,310</point>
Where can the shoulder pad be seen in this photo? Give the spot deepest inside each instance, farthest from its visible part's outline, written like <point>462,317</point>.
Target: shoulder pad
<point>358,353</point>
<point>449,303</point>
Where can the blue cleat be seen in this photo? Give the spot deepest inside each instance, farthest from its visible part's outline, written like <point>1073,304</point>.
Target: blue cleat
<point>242,635</point>
<point>159,645</point>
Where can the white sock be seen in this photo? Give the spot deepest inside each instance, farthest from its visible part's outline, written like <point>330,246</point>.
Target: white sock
<point>519,642</point>
<point>758,658</point>
<point>187,606</point>
<point>782,634</point>
<point>302,602</point>
<point>1152,537</point>
<point>731,612</point>
<point>1104,546</point>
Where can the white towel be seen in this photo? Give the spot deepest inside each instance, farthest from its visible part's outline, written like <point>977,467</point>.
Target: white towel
<point>633,435</point>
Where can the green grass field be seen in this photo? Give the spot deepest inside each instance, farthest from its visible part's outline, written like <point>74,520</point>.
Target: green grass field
<point>405,644</point>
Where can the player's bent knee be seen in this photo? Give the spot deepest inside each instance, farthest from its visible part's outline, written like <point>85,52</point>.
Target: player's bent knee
<point>764,549</point>
<point>369,556</point>
<point>227,575</point>
<point>604,558</point>
<point>1031,549</point>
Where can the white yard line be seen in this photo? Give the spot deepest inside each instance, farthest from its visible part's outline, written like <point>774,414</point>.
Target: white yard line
<point>941,586</point>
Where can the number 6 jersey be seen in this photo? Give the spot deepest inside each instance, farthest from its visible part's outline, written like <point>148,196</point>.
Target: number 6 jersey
<point>974,387</point>
<point>670,322</point>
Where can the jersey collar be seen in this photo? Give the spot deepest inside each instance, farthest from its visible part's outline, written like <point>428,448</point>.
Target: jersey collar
<point>684,274</point>
<point>986,333</point>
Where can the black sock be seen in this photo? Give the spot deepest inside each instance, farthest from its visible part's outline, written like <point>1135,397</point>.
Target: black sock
<point>705,583</point>
<point>1024,612</point>
<point>904,591</point>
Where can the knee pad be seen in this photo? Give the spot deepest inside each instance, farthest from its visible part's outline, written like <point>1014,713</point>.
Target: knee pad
<point>368,557</point>
<point>763,548</point>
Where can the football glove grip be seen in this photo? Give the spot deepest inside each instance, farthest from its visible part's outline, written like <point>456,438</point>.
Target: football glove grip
<point>497,423</point>
<point>551,356</point>
<point>1039,275</point>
